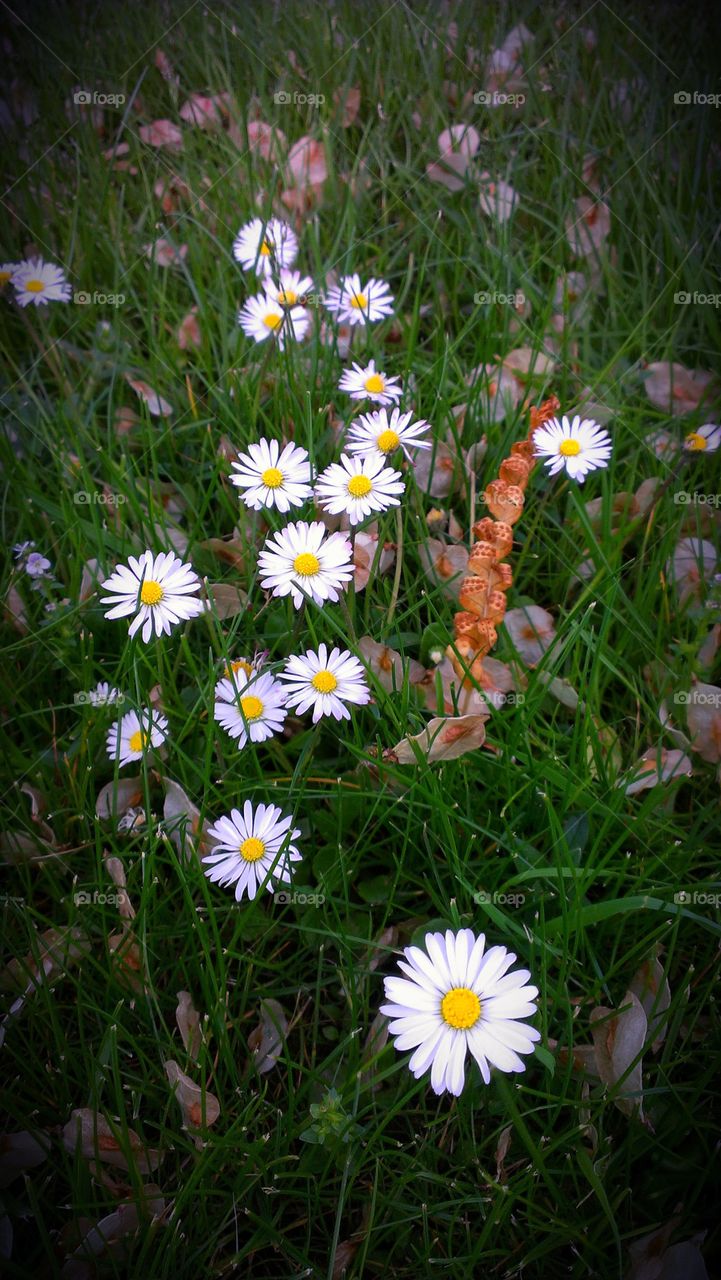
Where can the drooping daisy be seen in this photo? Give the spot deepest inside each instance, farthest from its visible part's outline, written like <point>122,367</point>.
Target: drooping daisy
<point>261,317</point>
<point>305,562</point>
<point>39,282</point>
<point>250,847</point>
<point>240,668</point>
<point>707,439</point>
<point>291,289</point>
<point>358,487</point>
<point>369,384</point>
<point>381,433</point>
<point>325,682</point>
<point>455,997</point>
<point>356,303</point>
<point>265,247</point>
<point>159,587</point>
<point>7,271</point>
<point>104,695</point>
<point>578,445</point>
<point>250,708</point>
<point>271,478</point>
<point>131,736</point>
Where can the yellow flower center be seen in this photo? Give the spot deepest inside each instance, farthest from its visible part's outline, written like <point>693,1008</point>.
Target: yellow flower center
<point>265,249</point>
<point>151,592</point>
<point>374,383</point>
<point>359,486</point>
<point>272,477</point>
<point>388,441</point>
<point>252,849</point>
<point>239,664</point>
<point>306,564</point>
<point>324,682</point>
<point>461,1008</point>
<point>251,707</point>
<point>696,441</point>
<point>34,286</point>
<point>272,320</point>
<point>569,448</point>
<point>359,302</point>
<point>287,297</point>
<point>4,277</point>
<point>138,740</point>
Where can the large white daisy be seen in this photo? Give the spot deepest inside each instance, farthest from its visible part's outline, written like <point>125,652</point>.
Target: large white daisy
<point>358,487</point>
<point>305,562</point>
<point>578,445</point>
<point>265,247</point>
<point>290,290</point>
<point>272,478</point>
<point>325,682</point>
<point>355,303</point>
<point>261,317</point>
<point>133,735</point>
<point>250,707</point>
<point>381,433</point>
<point>252,847</point>
<point>706,440</point>
<point>369,384</point>
<point>160,588</point>
<point>39,282</point>
<point>458,997</point>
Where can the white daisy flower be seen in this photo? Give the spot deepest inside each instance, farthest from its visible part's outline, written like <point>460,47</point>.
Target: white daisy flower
<point>39,282</point>
<point>7,271</point>
<point>131,736</point>
<point>457,996</point>
<point>261,317</point>
<point>290,290</point>
<point>707,438</point>
<point>104,695</point>
<point>358,487</point>
<point>264,247</point>
<point>325,682</point>
<point>355,303</point>
<point>305,562</point>
<point>369,384</point>
<point>250,708</point>
<point>271,478</point>
<point>579,445</point>
<point>250,847</point>
<point>160,588</point>
<point>379,433</point>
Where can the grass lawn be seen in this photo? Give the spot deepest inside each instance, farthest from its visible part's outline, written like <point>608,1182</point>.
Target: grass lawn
<point>561,241</point>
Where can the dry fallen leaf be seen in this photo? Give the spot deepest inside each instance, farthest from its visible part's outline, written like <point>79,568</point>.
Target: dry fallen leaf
<point>655,767</point>
<point>187,836</point>
<point>157,406</point>
<point>199,1107</point>
<point>650,985</point>
<point>266,1040</point>
<point>444,738</point>
<point>388,666</point>
<point>162,133</point>
<point>226,601</point>
<point>20,1151</point>
<point>88,1132</point>
<point>188,1020</point>
<point>116,797</point>
<point>618,1039</point>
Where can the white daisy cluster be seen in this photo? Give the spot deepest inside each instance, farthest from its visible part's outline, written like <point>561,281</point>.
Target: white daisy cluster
<point>36,282</point>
